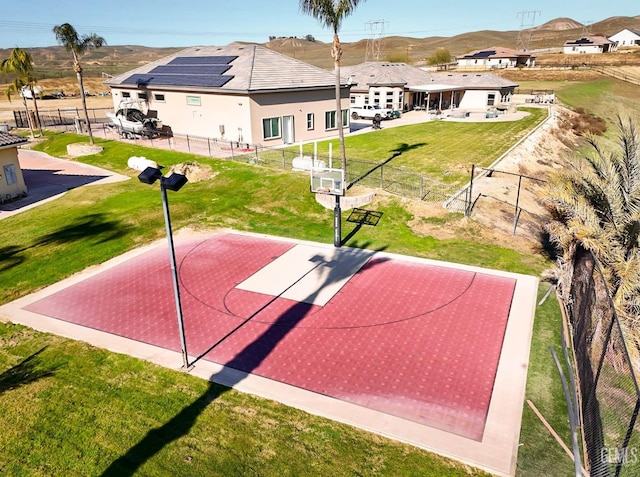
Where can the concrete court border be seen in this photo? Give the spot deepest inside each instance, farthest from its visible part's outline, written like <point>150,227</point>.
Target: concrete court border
<point>495,453</point>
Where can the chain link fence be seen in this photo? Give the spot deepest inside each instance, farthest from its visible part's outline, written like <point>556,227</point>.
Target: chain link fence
<point>370,174</point>
<point>606,379</point>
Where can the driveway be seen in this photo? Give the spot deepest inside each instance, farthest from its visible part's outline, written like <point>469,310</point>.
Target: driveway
<point>48,177</point>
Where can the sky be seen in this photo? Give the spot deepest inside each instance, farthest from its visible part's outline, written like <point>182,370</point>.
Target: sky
<point>182,23</point>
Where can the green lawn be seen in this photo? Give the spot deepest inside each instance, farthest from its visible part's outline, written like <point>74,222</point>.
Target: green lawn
<point>443,150</point>
<point>69,409</point>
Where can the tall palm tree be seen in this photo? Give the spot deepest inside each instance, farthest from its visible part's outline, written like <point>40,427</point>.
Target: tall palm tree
<point>330,13</point>
<point>68,37</point>
<point>598,208</point>
<point>20,65</point>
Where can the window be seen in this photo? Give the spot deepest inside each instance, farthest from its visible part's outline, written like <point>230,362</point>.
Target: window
<point>330,119</point>
<point>193,100</point>
<point>142,95</point>
<point>352,99</point>
<point>271,128</point>
<point>310,121</point>
<point>158,97</point>
<point>491,99</point>
<point>10,174</point>
<point>126,94</point>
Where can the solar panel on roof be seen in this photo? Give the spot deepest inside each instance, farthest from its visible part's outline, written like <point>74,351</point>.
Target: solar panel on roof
<point>215,81</point>
<point>484,54</point>
<point>191,69</point>
<point>202,60</point>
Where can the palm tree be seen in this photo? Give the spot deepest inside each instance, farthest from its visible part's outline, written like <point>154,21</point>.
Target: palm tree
<point>20,65</point>
<point>598,207</point>
<point>331,13</point>
<point>68,37</point>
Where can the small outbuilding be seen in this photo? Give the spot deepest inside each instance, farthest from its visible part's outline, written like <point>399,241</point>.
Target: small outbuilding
<point>12,183</point>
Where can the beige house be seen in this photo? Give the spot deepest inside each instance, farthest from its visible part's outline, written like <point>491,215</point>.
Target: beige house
<point>404,87</point>
<point>589,45</point>
<point>244,93</point>
<point>496,57</point>
<point>12,183</point>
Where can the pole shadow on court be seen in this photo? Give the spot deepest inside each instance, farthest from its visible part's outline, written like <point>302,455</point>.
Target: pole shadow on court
<point>247,360</point>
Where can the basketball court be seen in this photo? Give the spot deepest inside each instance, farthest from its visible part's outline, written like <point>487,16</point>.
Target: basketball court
<point>426,352</point>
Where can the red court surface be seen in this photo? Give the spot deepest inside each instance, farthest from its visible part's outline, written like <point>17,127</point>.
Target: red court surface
<point>406,338</point>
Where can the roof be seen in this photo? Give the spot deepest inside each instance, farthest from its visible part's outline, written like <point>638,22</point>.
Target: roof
<point>383,74</point>
<point>374,73</point>
<point>474,80</point>
<point>589,41</point>
<point>9,140</point>
<point>495,52</point>
<point>634,32</point>
<point>232,68</point>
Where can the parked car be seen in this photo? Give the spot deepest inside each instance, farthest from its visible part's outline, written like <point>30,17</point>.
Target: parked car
<point>370,111</point>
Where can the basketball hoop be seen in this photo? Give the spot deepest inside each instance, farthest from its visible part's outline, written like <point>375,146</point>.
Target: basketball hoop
<point>323,190</point>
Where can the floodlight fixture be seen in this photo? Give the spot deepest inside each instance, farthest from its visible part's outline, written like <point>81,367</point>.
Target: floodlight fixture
<point>150,175</point>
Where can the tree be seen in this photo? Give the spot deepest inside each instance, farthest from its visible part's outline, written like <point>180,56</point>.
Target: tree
<point>330,13</point>
<point>20,65</point>
<point>442,56</point>
<point>598,208</point>
<point>68,37</point>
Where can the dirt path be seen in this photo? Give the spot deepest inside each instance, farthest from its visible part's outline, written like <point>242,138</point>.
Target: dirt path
<point>493,219</point>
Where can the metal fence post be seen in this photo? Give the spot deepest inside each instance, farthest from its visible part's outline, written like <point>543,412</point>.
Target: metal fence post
<point>468,204</point>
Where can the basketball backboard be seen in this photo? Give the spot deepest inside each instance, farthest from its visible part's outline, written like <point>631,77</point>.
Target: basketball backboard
<point>327,181</point>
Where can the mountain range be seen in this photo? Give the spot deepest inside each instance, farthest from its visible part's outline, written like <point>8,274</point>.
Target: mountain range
<point>54,61</point>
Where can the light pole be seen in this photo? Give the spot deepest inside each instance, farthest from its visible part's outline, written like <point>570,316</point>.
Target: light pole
<point>174,182</point>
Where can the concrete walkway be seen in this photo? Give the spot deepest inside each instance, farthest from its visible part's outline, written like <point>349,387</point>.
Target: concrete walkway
<point>48,178</point>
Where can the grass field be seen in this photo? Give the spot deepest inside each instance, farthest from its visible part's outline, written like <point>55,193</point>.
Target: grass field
<point>69,409</point>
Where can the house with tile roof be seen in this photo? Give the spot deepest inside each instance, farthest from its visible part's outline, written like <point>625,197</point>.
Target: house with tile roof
<point>626,38</point>
<point>588,45</point>
<point>496,57</point>
<point>405,87</point>
<point>12,183</point>
<point>243,93</point>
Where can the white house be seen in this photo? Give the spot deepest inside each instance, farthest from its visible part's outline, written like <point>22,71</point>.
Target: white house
<point>405,87</point>
<point>12,183</point>
<point>244,93</point>
<point>626,37</point>
<point>496,57</point>
<point>589,44</point>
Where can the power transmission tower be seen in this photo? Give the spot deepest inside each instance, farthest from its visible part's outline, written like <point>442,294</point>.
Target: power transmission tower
<point>374,42</point>
<point>526,29</point>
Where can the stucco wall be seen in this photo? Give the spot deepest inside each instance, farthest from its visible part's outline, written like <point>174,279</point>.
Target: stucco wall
<point>238,117</point>
<point>9,156</point>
